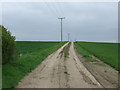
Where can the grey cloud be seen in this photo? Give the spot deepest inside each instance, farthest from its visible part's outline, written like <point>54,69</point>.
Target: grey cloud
<point>84,21</point>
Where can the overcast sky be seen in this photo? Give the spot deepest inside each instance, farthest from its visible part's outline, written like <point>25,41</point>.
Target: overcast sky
<point>84,21</point>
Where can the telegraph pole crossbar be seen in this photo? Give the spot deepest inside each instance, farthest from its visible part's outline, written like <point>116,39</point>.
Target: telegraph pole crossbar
<point>61,28</point>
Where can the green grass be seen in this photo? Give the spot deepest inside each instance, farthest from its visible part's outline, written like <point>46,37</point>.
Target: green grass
<point>89,59</point>
<point>66,50</point>
<point>0,76</point>
<point>107,52</point>
<point>25,47</point>
<point>32,54</point>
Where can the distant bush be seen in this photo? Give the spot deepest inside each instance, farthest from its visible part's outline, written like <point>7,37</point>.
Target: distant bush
<point>8,45</point>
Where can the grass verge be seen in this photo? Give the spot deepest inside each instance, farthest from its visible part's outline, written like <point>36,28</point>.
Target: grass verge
<point>15,70</point>
<point>66,50</point>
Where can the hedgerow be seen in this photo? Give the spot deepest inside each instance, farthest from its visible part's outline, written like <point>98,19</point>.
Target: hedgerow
<point>8,45</point>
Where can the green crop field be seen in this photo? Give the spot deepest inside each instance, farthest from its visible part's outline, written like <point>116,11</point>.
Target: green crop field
<point>30,54</point>
<point>107,52</point>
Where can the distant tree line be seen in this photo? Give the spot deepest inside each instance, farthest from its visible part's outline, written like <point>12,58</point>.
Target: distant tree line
<point>8,45</point>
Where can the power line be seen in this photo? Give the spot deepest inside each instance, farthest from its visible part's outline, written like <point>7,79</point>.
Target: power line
<point>51,9</point>
<point>60,7</point>
<point>56,8</point>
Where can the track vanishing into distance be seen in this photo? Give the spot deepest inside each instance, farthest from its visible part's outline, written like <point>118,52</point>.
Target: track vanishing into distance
<point>60,71</point>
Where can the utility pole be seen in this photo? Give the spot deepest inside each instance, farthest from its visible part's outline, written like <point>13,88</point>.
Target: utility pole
<point>61,28</point>
<point>68,37</point>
